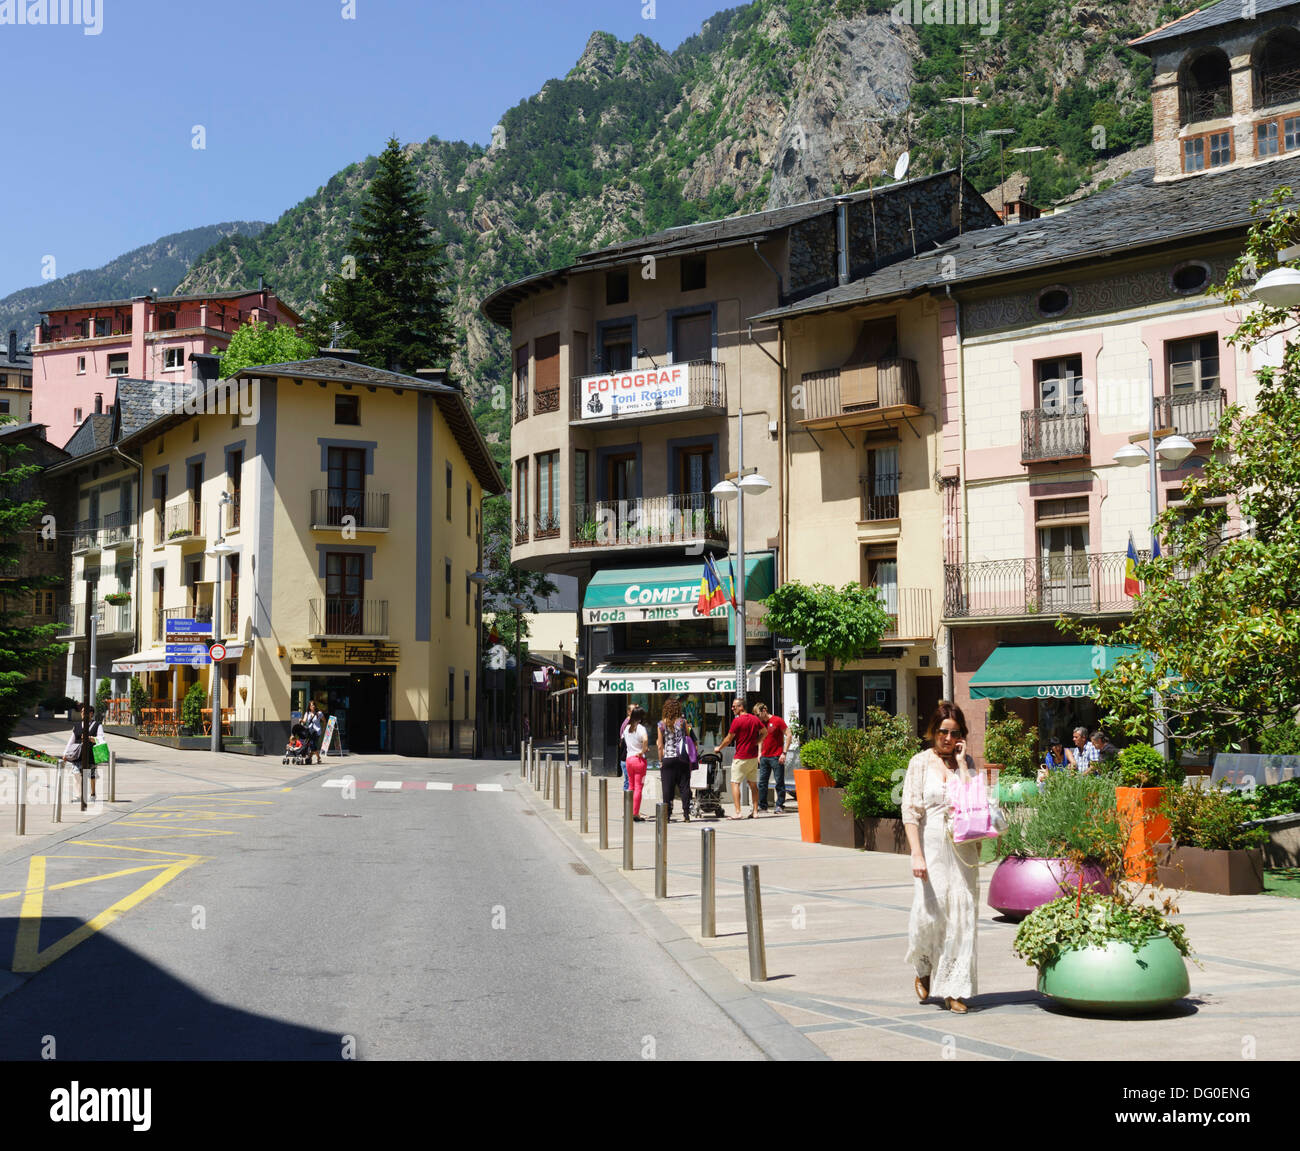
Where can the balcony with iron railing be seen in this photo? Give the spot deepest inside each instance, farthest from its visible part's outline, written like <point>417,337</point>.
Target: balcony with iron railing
<point>1205,103</point>
<point>110,620</point>
<point>1277,86</point>
<point>1194,414</point>
<point>695,388</point>
<point>546,525</point>
<point>910,614</point>
<point>182,521</point>
<point>521,406</point>
<point>1084,583</point>
<point>824,399</point>
<point>341,617</point>
<point>332,509</point>
<point>521,530</point>
<point>655,521</point>
<point>232,511</point>
<point>1050,434</point>
<point>118,529</point>
<point>85,536</point>
<point>200,612</point>
<point>880,496</point>
<point>546,400</point>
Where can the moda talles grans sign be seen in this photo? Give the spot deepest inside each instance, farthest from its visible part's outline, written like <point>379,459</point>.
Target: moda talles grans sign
<point>657,602</point>
<point>645,390</point>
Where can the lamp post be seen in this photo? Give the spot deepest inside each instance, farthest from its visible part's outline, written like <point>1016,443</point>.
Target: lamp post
<point>478,578</point>
<point>219,550</point>
<point>1171,450</point>
<point>518,603</point>
<point>746,483</point>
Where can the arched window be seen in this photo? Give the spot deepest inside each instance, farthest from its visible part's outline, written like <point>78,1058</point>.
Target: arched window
<point>1205,86</point>
<point>1275,68</point>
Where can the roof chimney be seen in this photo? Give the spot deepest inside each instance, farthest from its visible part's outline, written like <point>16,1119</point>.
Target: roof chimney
<point>204,367</point>
<point>436,376</point>
<point>842,240</point>
<point>347,355</point>
<point>13,344</point>
<point>99,403</point>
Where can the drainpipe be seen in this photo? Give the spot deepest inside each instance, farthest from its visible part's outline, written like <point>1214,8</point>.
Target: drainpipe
<point>137,552</point>
<point>842,240</point>
<point>949,678</point>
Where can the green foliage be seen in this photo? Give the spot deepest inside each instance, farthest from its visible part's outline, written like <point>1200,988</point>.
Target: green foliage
<point>255,344</point>
<point>139,697</point>
<point>1270,799</point>
<point>1073,816</point>
<point>192,707</point>
<point>1007,741</point>
<point>876,786</point>
<point>1284,739</point>
<point>102,695</point>
<point>1208,818</point>
<point>869,763</point>
<point>1077,921</point>
<point>1140,765</point>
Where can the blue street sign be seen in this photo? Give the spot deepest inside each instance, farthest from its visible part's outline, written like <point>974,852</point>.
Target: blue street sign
<point>189,649</point>
<point>188,627</point>
<point>188,660</point>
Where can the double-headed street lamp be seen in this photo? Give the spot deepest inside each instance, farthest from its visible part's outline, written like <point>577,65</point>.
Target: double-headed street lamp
<point>519,604</point>
<point>745,483</point>
<point>219,550</point>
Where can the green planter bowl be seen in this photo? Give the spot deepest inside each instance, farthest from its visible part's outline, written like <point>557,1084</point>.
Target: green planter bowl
<point>1016,790</point>
<point>1116,980</point>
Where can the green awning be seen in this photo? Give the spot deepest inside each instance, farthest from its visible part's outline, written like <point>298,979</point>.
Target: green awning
<point>625,595</point>
<point>1046,671</point>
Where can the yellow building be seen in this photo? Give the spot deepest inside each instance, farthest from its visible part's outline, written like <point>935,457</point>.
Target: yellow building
<point>349,499</point>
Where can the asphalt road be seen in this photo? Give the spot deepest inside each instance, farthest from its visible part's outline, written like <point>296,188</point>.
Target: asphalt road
<point>314,923</point>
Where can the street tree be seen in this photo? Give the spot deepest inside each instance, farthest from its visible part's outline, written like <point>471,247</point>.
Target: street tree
<point>24,646</point>
<point>257,343</point>
<point>1217,623</point>
<point>389,299</point>
<point>830,625</point>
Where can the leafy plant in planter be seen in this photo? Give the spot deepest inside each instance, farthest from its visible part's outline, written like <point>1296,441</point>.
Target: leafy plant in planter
<point>1077,921</point>
<point>178,533</point>
<point>1209,819</point>
<point>589,532</point>
<point>118,598</point>
<point>1140,765</point>
<point>192,708</point>
<point>102,695</point>
<point>875,787</point>
<point>139,697</point>
<point>1008,742</point>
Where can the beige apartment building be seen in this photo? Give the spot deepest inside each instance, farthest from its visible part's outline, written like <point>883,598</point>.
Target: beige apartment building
<point>639,372</point>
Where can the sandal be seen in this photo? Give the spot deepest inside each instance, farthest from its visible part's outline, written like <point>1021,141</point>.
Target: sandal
<point>922,987</point>
<point>956,1005</point>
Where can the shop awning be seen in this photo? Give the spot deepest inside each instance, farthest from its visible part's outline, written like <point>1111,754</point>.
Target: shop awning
<point>155,659</point>
<point>1047,671</point>
<point>665,678</point>
<point>627,595</point>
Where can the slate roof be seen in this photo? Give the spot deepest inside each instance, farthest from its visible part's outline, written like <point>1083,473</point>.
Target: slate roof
<point>20,363</point>
<point>134,405</point>
<point>697,237</point>
<point>1130,215</point>
<point>94,434</point>
<point>1211,16</point>
<point>19,429</point>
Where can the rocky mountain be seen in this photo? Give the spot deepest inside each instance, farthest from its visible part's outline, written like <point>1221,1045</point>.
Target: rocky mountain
<point>156,267</point>
<point>771,103</point>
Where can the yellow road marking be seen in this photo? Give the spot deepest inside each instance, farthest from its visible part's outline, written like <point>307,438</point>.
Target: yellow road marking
<point>88,879</point>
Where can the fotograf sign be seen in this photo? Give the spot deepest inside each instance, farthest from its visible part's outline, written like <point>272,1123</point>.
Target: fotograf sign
<point>644,390</point>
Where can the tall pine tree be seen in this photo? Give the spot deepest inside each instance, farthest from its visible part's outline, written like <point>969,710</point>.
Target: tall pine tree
<point>392,306</point>
<point>24,646</point>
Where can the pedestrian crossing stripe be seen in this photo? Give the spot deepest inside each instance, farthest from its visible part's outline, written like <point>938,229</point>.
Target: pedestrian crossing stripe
<point>411,785</point>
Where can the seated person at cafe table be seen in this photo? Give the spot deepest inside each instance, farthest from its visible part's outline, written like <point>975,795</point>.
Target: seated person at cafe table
<point>1054,759</point>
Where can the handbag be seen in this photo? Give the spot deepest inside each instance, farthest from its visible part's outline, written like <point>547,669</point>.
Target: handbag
<point>99,753</point>
<point>972,813</point>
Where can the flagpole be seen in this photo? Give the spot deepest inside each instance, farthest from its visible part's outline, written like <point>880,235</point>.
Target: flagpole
<point>1158,733</point>
<point>738,606</point>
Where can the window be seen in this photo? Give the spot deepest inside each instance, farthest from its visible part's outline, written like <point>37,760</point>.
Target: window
<point>1194,154</point>
<point>344,593</point>
<point>235,485</point>
<point>103,326</point>
<point>1205,86</point>
<point>880,486</point>
<point>1054,301</point>
<point>695,470</point>
<point>196,493</point>
<point>347,409</point>
<point>1193,364</point>
<point>692,338</point>
<point>468,598</point>
<point>1060,385</point>
<point>346,496</point>
<point>1212,150</point>
<point>694,273</point>
<point>194,436</point>
<point>76,415</point>
<point>616,348</point>
<point>1220,149</point>
<point>1266,138</point>
<point>620,476</point>
<point>882,573</point>
<point>1291,129</point>
<point>1190,277</point>
<point>4,407</point>
<point>118,364</point>
<point>167,321</point>
<point>447,586</point>
<point>173,359</point>
<point>467,695</point>
<point>521,382</point>
<point>546,375</point>
<point>616,286</point>
<point>1215,512</point>
<point>44,603</point>
<point>521,501</point>
<point>1280,134</point>
<point>449,491</point>
<point>548,495</point>
<point>1063,570</point>
<point>580,489</point>
<point>46,543</point>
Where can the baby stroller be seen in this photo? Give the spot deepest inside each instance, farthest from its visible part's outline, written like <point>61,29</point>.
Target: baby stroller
<point>708,781</point>
<point>297,749</point>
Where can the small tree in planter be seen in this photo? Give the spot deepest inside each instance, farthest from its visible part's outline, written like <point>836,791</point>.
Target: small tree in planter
<point>1013,747</point>
<point>102,695</point>
<point>1143,776</point>
<point>192,708</point>
<point>139,697</point>
<point>1212,849</point>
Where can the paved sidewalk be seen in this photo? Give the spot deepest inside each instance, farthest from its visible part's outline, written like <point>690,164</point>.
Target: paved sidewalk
<point>835,923</point>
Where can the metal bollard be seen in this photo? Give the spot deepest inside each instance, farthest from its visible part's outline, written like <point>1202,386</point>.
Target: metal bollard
<point>708,885</point>
<point>583,776</point>
<point>546,782</point>
<point>604,813</point>
<point>555,783</point>
<point>568,789</point>
<point>627,831</point>
<point>754,924</point>
<point>112,776</point>
<point>523,770</point>
<point>22,800</point>
<point>58,792</point>
<point>661,851</point>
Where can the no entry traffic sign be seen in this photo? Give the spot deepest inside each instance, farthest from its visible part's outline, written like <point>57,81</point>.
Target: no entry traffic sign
<point>217,652</point>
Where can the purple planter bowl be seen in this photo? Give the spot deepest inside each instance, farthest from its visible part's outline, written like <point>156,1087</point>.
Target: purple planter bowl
<point>1019,885</point>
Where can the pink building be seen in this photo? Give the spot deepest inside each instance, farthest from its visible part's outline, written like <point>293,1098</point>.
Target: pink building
<point>79,351</point>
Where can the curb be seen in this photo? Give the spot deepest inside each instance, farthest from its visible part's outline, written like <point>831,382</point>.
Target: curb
<point>764,1027</point>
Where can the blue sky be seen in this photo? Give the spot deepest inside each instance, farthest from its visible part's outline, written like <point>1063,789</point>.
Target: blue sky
<point>100,147</point>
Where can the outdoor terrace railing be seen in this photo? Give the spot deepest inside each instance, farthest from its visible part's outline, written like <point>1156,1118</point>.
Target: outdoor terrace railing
<point>85,535</point>
<point>649,522</point>
<point>199,612</point>
<point>880,496</point>
<point>330,507</point>
<point>898,383</point>
<point>521,407</point>
<point>546,401</point>
<point>910,613</point>
<point>1195,415</point>
<point>110,619</point>
<point>546,526</point>
<point>182,520</point>
<point>1278,87</point>
<point>706,387</point>
<point>117,528</point>
<point>1046,434</point>
<point>1083,583</point>
<point>342,616</point>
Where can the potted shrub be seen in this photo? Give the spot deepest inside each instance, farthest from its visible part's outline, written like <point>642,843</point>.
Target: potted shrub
<point>873,792</point>
<point>809,780</point>
<point>139,697</point>
<point>118,598</point>
<point>1012,748</point>
<point>1211,848</point>
<point>1144,775</point>
<point>1070,830</point>
<point>838,753</point>
<point>192,708</point>
<point>1105,953</point>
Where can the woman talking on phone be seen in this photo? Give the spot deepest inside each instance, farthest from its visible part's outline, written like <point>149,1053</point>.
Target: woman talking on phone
<point>945,898</point>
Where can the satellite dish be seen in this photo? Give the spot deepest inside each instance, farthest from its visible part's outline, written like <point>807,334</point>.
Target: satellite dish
<point>900,169</point>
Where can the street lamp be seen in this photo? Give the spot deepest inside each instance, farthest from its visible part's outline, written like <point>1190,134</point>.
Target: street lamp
<point>518,603</point>
<point>219,550</point>
<point>478,578</point>
<point>1280,287</point>
<point>747,483</point>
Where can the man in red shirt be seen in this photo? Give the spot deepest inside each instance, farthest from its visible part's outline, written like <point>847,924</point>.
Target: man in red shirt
<point>771,758</point>
<point>746,730</point>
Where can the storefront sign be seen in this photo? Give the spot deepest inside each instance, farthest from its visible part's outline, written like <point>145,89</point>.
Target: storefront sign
<point>653,614</point>
<point>340,652</point>
<point>669,683</point>
<point>622,393</point>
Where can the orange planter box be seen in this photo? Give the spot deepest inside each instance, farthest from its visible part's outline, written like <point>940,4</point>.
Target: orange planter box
<point>1146,828</point>
<point>806,794</point>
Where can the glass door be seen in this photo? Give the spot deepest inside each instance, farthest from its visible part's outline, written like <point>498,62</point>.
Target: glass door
<point>1063,567</point>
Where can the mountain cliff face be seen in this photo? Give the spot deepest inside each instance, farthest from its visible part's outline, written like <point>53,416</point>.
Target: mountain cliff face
<point>771,103</point>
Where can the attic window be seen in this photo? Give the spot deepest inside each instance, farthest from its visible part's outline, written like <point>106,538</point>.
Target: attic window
<point>694,273</point>
<point>1054,301</point>
<point>616,286</point>
<point>1190,277</point>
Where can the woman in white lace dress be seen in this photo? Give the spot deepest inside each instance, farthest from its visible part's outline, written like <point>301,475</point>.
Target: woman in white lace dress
<point>945,900</point>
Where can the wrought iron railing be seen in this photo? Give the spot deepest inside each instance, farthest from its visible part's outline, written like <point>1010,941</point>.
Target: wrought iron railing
<point>1277,87</point>
<point>182,520</point>
<point>649,522</point>
<point>706,387</point>
<point>117,528</point>
<point>546,401</point>
<point>331,507</point>
<point>343,616</point>
<point>880,496</point>
<point>110,619</point>
<point>521,406</point>
<point>232,511</point>
<point>909,611</point>
<point>1206,104</point>
<point>898,383</point>
<point>546,525</point>
<point>85,535</point>
<point>1046,434</point>
<point>521,531</point>
<point>202,613</point>
<point>1044,586</point>
<point>1195,414</point>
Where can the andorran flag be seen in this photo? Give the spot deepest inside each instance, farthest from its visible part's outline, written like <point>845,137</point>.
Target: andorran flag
<point>1131,585</point>
<point>711,593</point>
